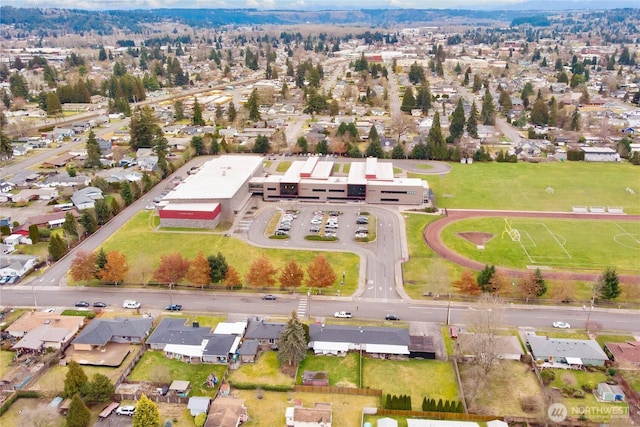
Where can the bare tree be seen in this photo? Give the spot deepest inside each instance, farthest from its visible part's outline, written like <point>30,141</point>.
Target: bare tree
<point>401,124</point>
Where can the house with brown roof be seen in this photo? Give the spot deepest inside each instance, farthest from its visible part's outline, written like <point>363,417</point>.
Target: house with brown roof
<point>35,319</point>
<point>318,416</point>
<point>227,411</point>
<point>44,337</point>
<point>625,354</point>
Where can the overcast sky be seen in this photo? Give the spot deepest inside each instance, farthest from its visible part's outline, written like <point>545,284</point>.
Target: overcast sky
<point>323,4</point>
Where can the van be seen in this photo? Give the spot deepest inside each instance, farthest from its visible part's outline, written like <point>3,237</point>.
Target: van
<point>130,304</point>
<point>126,410</point>
<point>453,332</point>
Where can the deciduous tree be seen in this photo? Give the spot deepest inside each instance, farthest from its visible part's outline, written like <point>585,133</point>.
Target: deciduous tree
<point>172,269</point>
<point>261,273</point>
<point>115,269</point>
<point>291,275</point>
<point>319,273</point>
<point>199,272</point>
<point>467,284</point>
<point>147,414</point>
<point>232,278</point>
<point>292,344</point>
<point>83,266</point>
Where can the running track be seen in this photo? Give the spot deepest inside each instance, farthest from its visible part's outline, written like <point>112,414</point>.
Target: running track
<point>433,231</point>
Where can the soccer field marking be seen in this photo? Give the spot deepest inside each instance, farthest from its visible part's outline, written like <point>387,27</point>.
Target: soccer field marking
<point>531,244</point>
<point>633,237</point>
<point>558,241</point>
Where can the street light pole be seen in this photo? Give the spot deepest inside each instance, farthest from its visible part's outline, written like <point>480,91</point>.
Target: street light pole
<point>309,304</point>
<point>449,311</point>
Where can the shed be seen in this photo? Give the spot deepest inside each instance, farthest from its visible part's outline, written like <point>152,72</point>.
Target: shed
<point>225,389</point>
<point>198,405</point>
<point>610,393</point>
<point>387,422</point>
<point>179,386</point>
<point>248,351</point>
<point>64,407</point>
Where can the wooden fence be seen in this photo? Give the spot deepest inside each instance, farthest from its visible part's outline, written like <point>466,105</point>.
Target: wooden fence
<point>437,415</point>
<point>338,390</point>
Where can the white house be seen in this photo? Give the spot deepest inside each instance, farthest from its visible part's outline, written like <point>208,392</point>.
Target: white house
<point>600,154</point>
<point>320,415</point>
<point>17,265</point>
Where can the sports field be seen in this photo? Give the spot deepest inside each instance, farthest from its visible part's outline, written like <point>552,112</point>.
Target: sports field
<point>579,245</point>
<point>553,186</point>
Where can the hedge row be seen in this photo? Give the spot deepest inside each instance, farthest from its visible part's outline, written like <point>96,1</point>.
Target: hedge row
<point>266,387</point>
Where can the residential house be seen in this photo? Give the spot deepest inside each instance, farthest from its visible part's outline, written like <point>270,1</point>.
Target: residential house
<point>564,352</point>
<point>34,319</point>
<point>30,194</point>
<point>378,342</point>
<point>610,392</point>
<point>192,343</point>
<point>198,405</point>
<point>422,347</point>
<point>625,354</point>
<point>266,333</point>
<point>14,240</point>
<point>227,411</point>
<point>17,265</point>
<point>100,332</point>
<point>64,180</point>
<point>86,198</point>
<point>600,154</point>
<point>44,337</point>
<point>59,162</point>
<point>248,351</point>
<point>320,415</point>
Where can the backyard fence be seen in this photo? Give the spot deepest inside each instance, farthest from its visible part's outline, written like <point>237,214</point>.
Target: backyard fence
<point>169,398</point>
<point>131,365</point>
<point>437,415</point>
<point>338,390</point>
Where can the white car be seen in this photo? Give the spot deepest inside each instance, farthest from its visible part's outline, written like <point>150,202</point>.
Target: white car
<point>342,314</point>
<point>126,410</point>
<point>561,325</point>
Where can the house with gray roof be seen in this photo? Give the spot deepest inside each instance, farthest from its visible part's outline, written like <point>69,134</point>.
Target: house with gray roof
<point>86,198</point>
<point>266,333</point>
<point>64,180</point>
<point>377,342</point>
<point>43,337</point>
<point>564,351</point>
<point>100,332</point>
<point>192,343</point>
<point>17,265</point>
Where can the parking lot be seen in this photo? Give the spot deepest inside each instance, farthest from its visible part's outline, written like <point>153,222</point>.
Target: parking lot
<point>346,224</point>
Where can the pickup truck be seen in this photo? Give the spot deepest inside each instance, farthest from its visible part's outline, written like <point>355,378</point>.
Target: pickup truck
<point>342,314</point>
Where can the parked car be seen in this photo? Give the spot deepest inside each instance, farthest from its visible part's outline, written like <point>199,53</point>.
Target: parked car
<point>561,325</point>
<point>130,304</point>
<point>99,304</point>
<point>362,220</point>
<point>173,307</point>
<point>391,317</point>
<point>269,297</point>
<point>126,410</point>
<point>82,304</point>
<point>342,314</point>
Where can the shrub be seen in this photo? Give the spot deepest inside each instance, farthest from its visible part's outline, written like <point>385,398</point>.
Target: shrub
<point>588,386</point>
<point>529,404</point>
<point>612,372</point>
<point>578,394</point>
<point>547,377</point>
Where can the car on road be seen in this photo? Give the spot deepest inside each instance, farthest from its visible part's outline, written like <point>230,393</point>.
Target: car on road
<point>269,297</point>
<point>173,307</point>
<point>99,304</point>
<point>391,317</point>
<point>82,304</point>
<point>342,314</point>
<point>561,325</point>
<point>126,410</point>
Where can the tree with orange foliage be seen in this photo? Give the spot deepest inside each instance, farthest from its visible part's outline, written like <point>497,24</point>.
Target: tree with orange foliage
<point>467,284</point>
<point>500,285</point>
<point>261,273</point>
<point>172,269</point>
<point>199,271</point>
<point>232,278</point>
<point>83,267</point>
<point>115,269</point>
<point>291,275</point>
<point>319,273</point>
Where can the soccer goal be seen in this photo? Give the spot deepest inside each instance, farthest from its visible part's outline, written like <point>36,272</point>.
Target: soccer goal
<point>513,233</point>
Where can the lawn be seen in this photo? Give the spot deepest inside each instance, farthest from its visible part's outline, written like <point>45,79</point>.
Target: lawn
<point>418,270</point>
<point>343,371</point>
<point>5,361</point>
<point>34,412</point>
<point>567,244</point>
<point>10,317</point>
<point>155,367</point>
<point>632,377</point>
<point>283,166</point>
<point>510,381</point>
<point>573,334</point>
<point>138,234</point>
<point>269,410</point>
<point>265,371</point>
<point>525,186</point>
<point>602,339</point>
<point>417,378</point>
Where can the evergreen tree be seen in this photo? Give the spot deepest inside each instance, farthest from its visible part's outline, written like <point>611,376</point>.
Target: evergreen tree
<point>436,144</point>
<point>231,112</point>
<point>484,277</point>
<point>101,259</point>
<point>88,222</point>
<point>609,284</point>
<point>398,152</point>
<point>373,135</point>
<point>93,152</point>
<point>540,282</point>
<point>472,121</point>
<point>218,267</point>
<point>99,389</point>
<point>425,405</point>
<point>505,102</point>
<point>419,151</point>
<point>575,120</point>
<point>456,127</point>
<point>252,106</point>
<point>141,128</point>
<point>440,406</point>
<point>74,380</point>
<point>374,149</point>
<point>262,144</point>
<point>292,344</point>
<point>487,115</point>
<point>408,101</point>
<point>57,247</point>
<point>147,414</point>
<point>553,112</point>
<point>78,414</point>
<point>197,119</point>
<point>6,150</point>
<point>70,226</point>
<point>178,110</point>
<point>54,107</point>
<point>103,212</point>
<point>126,193</point>
<point>540,113</point>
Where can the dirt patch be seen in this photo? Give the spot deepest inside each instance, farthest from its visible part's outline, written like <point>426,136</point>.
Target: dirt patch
<point>289,370</point>
<point>476,237</point>
<point>569,380</point>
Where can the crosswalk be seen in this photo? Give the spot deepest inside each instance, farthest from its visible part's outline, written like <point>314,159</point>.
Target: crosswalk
<point>302,308</point>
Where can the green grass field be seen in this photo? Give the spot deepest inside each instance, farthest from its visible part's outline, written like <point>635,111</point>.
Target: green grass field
<point>343,371</point>
<point>266,370</point>
<point>139,234</point>
<point>555,243</point>
<point>523,186</point>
